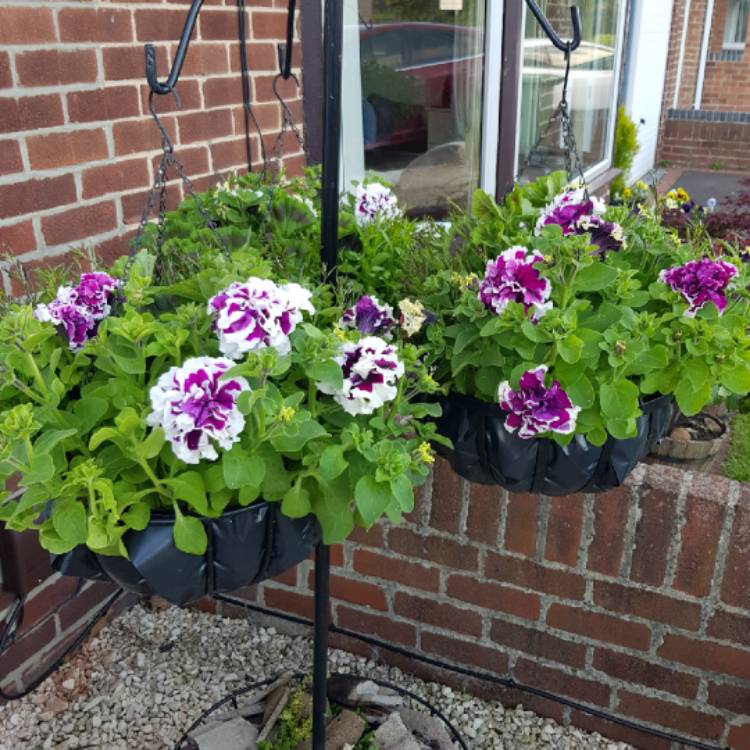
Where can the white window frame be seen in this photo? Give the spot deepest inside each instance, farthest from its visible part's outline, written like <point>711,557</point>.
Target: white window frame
<point>731,27</point>
<point>595,170</point>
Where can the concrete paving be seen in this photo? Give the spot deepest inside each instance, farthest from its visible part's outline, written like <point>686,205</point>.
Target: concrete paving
<point>705,185</point>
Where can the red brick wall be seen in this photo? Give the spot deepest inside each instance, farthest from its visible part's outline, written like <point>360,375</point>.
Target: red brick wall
<point>635,601</point>
<point>76,141</point>
<point>55,611</point>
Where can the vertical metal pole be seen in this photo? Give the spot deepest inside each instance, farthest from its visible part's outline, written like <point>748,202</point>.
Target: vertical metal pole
<point>320,653</point>
<point>333,35</point>
<point>333,40</point>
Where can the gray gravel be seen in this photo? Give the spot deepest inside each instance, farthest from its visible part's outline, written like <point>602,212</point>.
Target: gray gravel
<point>146,676</point>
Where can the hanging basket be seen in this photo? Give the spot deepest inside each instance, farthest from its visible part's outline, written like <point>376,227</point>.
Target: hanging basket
<point>245,546</point>
<point>485,452</point>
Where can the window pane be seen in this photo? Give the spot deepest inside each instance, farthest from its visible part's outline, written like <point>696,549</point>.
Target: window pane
<point>591,87</point>
<point>421,79</point>
<point>737,18</point>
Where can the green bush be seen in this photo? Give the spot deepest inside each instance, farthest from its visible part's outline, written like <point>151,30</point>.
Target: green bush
<point>626,149</point>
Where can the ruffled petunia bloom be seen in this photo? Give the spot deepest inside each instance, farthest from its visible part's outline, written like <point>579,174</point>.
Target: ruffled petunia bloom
<point>257,314</point>
<point>568,209</point>
<point>701,281</point>
<point>511,277</point>
<point>79,309</point>
<point>534,409</point>
<point>369,317</point>
<point>371,369</point>
<point>197,408</point>
<point>413,316</point>
<point>373,202</point>
<point>608,236</point>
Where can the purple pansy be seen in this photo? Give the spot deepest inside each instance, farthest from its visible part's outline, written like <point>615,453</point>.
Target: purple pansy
<point>79,309</point>
<point>373,202</point>
<point>197,408</point>
<point>567,210</point>
<point>511,277</point>
<point>701,281</point>
<point>258,314</point>
<point>534,409</point>
<point>369,316</point>
<point>371,370</point>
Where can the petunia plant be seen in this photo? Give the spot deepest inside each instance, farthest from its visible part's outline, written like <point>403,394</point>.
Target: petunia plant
<point>571,315</point>
<point>221,390</point>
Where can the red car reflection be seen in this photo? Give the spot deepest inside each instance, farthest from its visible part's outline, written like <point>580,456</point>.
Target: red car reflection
<point>409,75</point>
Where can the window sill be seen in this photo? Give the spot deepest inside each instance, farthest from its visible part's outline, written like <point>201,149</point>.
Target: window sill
<point>601,181</point>
<point>728,54</point>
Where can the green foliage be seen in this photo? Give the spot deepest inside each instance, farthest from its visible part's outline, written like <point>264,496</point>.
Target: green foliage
<point>737,463</point>
<point>626,149</point>
<point>295,723</point>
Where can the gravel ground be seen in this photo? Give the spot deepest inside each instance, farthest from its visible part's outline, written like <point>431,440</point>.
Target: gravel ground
<point>150,673</point>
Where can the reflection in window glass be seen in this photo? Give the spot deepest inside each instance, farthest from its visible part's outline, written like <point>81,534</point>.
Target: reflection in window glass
<point>591,88</point>
<point>421,76</point>
<point>735,32</point>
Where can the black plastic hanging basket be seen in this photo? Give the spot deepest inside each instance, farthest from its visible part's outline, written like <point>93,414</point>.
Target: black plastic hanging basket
<point>245,546</point>
<point>485,452</point>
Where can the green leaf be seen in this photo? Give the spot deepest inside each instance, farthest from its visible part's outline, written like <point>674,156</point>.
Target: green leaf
<point>622,429</point>
<point>248,495</point>
<point>372,498</point>
<point>137,516</point>
<point>152,445</point>
<point>50,439</point>
<point>594,278</point>
<point>735,378</point>
<point>619,400</point>
<point>328,373</point>
<point>696,372</point>
<point>581,392</point>
<point>101,436</point>
<point>691,399</point>
<point>570,349</point>
<point>41,469</point>
<point>242,469</point>
<point>403,490</point>
<point>70,522</point>
<point>89,412</point>
<point>189,488</point>
<point>296,502</point>
<point>189,534</point>
<point>291,443</point>
<point>332,462</point>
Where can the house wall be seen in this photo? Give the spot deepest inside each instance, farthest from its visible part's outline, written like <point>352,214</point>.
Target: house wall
<point>717,133</point>
<point>77,145</point>
<point>634,601</point>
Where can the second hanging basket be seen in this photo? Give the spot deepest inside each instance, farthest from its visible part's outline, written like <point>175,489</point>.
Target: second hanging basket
<point>485,452</point>
<point>245,546</point>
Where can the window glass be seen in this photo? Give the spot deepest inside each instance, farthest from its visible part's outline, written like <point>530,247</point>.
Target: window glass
<point>418,92</point>
<point>592,86</point>
<point>735,32</point>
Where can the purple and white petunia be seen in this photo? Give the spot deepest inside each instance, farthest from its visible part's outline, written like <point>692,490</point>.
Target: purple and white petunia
<point>369,317</point>
<point>701,281</point>
<point>196,408</point>
<point>534,409</point>
<point>567,210</point>
<point>257,314</point>
<point>511,277</point>
<point>371,369</point>
<point>373,202</point>
<point>608,236</point>
<point>79,309</point>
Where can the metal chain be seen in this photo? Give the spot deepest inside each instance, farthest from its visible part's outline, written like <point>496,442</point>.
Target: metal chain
<point>287,124</point>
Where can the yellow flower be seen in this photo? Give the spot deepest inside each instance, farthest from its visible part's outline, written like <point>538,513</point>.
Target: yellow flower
<point>641,185</point>
<point>627,193</point>
<point>286,413</point>
<point>339,333</point>
<point>424,453</point>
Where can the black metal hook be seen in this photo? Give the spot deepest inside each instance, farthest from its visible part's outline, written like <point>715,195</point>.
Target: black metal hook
<point>575,17</point>
<point>286,50</point>
<point>179,59</point>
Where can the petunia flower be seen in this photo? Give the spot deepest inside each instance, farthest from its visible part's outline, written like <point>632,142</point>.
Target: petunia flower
<point>197,408</point>
<point>567,209</point>
<point>701,281</point>
<point>369,316</point>
<point>373,202</point>
<point>79,309</point>
<point>413,316</point>
<point>371,369</point>
<point>608,236</point>
<point>257,314</point>
<point>534,409</point>
<point>511,277</point>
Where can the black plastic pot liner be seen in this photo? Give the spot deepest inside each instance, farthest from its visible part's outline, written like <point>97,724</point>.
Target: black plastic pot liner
<point>485,452</point>
<point>245,546</point>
